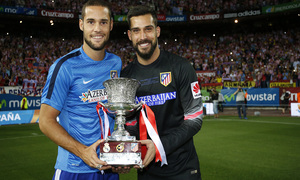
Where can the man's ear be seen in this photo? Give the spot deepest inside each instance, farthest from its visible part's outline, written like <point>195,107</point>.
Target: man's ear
<point>158,31</point>
<point>129,34</point>
<point>81,24</point>
<point>111,24</point>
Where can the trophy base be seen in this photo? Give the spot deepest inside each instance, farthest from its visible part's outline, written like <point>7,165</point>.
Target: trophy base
<point>121,153</point>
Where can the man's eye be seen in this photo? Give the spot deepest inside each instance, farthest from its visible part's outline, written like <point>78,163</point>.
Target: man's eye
<point>135,30</point>
<point>149,29</point>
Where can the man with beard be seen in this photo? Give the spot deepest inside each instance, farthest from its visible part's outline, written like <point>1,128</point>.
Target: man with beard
<point>68,114</point>
<point>169,86</point>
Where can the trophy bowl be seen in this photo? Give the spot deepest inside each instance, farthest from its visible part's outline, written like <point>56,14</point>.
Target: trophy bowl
<point>120,148</point>
<point>121,95</point>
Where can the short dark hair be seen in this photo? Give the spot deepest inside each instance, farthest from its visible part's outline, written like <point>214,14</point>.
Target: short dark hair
<point>96,3</point>
<point>139,11</point>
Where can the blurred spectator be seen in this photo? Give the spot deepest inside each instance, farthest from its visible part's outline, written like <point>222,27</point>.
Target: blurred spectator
<point>24,103</point>
<point>285,75</point>
<point>221,102</point>
<point>13,81</point>
<point>2,81</point>
<point>263,83</point>
<point>285,99</point>
<point>240,102</point>
<point>215,99</point>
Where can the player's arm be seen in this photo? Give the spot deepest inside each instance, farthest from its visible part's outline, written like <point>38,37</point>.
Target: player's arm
<point>52,102</point>
<point>183,133</point>
<point>193,110</point>
<point>54,131</point>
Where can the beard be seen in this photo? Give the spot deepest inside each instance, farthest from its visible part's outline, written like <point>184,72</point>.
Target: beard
<point>145,55</point>
<point>94,47</point>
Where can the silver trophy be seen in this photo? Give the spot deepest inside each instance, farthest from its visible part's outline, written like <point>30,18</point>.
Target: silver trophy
<point>120,148</point>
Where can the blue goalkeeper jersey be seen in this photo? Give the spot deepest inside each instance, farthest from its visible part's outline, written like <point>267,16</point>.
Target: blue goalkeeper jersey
<point>74,86</point>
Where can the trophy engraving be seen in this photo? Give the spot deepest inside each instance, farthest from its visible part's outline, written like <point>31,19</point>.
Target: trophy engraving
<point>120,148</point>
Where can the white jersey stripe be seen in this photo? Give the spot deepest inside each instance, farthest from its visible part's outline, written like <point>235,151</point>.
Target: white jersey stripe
<point>57,174</point>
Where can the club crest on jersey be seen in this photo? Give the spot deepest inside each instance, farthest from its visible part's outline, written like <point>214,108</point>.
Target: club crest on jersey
<point>113,74</point>
<point>165,78</point>
<point>196,89</point>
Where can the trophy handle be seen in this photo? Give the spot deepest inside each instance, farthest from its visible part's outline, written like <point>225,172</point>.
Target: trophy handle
<point>138,106</point>
<point>106,106</point>
<point>102,104</point>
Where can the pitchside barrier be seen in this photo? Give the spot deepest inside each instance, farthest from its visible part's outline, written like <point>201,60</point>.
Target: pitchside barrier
<point>18,117</point>
<point>10,112</point>
<point>257,97</point>
<point>12,102</point>
<point>265,97</point>
<point>260,101</point>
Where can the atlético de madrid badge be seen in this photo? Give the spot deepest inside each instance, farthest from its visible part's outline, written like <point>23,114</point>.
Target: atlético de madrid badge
<point>113,74</point>
<point>165,78</point>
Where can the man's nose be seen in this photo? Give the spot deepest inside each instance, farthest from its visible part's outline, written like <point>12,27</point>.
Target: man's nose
<point>143,35</point>
<point>97,27</point>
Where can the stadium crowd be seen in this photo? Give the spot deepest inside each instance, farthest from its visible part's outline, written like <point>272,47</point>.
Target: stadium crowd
<point>261,56</point>
<point>168,7</point>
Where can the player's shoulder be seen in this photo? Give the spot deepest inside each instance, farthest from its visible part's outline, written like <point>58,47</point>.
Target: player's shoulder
<point>65,61</point>
<point>127,69</point>
<point>173,58</point>
<point>175,61</point>
<point>73,55</point>
<point>111,56</point>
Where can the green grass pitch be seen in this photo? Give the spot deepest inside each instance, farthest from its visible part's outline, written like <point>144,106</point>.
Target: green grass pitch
<point>261,148</point>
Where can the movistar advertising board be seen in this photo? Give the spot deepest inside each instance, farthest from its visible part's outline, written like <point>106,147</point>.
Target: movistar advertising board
<point>10,102</point>
<point>256,97</point>
<point>16,117</point>
<point>18,10</point>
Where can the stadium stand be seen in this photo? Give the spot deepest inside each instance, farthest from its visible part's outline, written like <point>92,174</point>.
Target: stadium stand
<point>162,7</point>
<point>263,57</point>
<point>261,49</point>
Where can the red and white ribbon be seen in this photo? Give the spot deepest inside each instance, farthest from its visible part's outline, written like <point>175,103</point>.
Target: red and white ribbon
<point>104,126</point>
<point>148,124</point>
<point>105,131</point>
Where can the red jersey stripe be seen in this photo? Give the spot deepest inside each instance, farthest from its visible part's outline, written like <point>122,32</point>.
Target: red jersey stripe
<point>193,115</point>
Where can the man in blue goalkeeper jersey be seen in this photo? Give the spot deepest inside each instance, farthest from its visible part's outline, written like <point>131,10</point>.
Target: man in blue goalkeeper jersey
<point>68,114</point>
